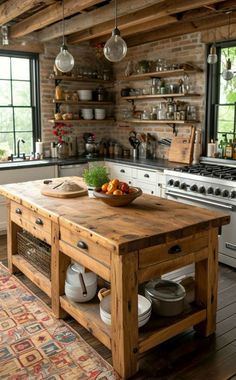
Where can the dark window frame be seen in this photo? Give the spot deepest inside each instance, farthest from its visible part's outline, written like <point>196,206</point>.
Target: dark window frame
<point>213,93</point>
<point>34,90</point>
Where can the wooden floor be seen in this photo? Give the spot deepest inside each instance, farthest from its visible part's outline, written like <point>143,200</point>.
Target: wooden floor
<point>187,356</point>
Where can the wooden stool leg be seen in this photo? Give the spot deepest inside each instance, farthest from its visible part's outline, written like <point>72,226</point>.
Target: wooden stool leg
<point>206,273</point>
<point>124,290</point>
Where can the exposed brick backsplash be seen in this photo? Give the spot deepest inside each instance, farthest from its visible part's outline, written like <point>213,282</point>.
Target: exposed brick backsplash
<point>181,49</point>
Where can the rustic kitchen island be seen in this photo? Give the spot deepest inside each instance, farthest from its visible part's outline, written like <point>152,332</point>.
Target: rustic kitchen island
<point>125,246</point>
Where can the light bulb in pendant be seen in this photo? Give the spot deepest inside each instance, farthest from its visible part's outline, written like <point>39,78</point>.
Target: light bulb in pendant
<point>227,73</point>
<point>212,56</point>
<point>64,60</point>
<point>115,48</point>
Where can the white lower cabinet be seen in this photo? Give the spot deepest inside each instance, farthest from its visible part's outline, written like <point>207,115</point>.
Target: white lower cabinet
<point>151,181</point>
<point>21,175</point>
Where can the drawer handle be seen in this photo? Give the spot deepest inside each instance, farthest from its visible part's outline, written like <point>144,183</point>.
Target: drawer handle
<point>82,284</point>
<point>39,221</point>
<point>146,175</point>
<point>82,244</point>
<point>122,171</point>
<point>175,249</point>
<point>18,211</point>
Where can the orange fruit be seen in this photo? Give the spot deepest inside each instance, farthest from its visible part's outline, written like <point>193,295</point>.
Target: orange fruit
<point>104,187</point>
<point>115,182</point>
<point>110,188</point>
<point>117,192</point>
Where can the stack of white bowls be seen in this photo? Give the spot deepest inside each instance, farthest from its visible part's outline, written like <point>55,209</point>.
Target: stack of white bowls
<point>85,94</point>
<point>100,113</point>
<point>87,113</point>
<point>144,309</point>
<point>80,286</point>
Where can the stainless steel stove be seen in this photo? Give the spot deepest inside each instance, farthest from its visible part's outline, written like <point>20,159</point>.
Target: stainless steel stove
<point>212,186</point>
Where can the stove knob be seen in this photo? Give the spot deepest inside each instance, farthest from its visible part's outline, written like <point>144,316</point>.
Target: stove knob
<point>210,190</point>
<point>233,194</point>
<point>217,191</point>
<point>176,183</point>
<point>202,190</point>
<point>193,187</point>
<point>225,193</point>
<point>171,182</point>
<point>183,186</point>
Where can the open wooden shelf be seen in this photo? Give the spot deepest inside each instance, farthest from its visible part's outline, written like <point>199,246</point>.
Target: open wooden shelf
<point>32,273</point>
<point>81,79</point>
<point>159,329</point>
<point>82,121</point>
<point>140,121</point>
<point>90,103</point>
<point>88,315</point>
<point>158,96</point>
<point>162,74</point>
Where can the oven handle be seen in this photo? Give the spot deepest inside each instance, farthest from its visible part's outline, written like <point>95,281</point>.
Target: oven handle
<point>210,203</point>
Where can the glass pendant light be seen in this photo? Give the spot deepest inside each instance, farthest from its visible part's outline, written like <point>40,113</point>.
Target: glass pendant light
<point>227,73</point>
<point>115,48</point>
<point>64,60</point>
<point>212,56</point>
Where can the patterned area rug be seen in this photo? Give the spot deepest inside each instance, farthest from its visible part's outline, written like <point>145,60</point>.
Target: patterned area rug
<point>35,345</point>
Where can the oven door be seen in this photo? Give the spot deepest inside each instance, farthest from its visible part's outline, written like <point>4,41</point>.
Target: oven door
<point>227,239</point>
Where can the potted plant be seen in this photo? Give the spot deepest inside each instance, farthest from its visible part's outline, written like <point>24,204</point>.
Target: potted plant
<point>94,177</point>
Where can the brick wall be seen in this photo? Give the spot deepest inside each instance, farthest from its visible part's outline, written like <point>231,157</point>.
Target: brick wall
<point>182,49</point>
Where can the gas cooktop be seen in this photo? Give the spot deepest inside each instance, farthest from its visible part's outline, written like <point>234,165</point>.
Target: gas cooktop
<point>208,170</point>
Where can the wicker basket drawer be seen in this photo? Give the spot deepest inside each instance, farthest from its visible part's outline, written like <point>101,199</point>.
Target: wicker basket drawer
<point>35,251</point>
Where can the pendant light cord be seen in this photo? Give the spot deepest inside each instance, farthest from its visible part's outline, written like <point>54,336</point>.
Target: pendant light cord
<point>115,14</point>
<point>63,24</point>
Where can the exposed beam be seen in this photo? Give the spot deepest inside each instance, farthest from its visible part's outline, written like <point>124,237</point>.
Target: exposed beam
<point>180,29</point>
<point>143,16</point>
<point>98,16</point>
<point>49,15</point>
<point>13,8</point>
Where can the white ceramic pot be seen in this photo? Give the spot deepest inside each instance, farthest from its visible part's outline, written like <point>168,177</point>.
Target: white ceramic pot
<point>100,113</point>
<point>85,94</point>
<point>80,286</point>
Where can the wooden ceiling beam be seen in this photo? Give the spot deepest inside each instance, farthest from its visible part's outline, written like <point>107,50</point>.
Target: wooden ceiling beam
<point>127,21</point>
<point>106,13</point>
<point>180,29</point>
<point>95,17</point>
<point>13,8</point>
<point>49,15</point>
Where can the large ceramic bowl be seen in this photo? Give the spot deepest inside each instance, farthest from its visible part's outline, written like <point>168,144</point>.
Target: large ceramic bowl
<point>118,200</point>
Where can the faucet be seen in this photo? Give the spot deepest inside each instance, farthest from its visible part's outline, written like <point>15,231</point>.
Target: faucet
<point>18,146</point>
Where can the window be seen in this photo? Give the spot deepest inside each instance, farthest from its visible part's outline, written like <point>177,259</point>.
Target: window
<point>221,100</point>
<point>19,101</point>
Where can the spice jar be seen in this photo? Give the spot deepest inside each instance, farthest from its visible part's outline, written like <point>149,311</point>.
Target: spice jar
<point>59,94</point>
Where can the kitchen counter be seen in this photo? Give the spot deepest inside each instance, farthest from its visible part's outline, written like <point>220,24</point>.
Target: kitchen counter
<point>126,246</point>
<point>146,163</point>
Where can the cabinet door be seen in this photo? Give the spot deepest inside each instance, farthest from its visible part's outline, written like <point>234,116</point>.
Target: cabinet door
<point>122,172</point>
<point>161,184</point>
<point>21,175</point>
<point>145,187</point>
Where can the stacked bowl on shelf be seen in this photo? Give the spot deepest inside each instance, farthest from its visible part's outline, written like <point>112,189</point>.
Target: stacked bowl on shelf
<point>144,308</point>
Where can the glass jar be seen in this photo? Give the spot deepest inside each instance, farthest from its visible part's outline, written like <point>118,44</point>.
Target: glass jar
<point>63,150</point>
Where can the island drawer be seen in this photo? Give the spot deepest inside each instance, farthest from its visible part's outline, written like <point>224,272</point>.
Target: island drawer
<point>32,221</point>
<point>174,249</point>
<point>85,245</point>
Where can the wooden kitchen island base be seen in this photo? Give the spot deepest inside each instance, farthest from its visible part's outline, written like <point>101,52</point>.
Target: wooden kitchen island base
<point>126,246</point>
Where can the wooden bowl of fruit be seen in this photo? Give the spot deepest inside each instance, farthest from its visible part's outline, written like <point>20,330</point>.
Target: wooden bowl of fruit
<point>117,193</point>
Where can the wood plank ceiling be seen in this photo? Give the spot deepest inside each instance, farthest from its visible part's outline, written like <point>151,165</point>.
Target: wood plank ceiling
<point>140,21</point>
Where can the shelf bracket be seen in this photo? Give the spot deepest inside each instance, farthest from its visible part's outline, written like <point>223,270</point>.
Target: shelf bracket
<point>173,126</point>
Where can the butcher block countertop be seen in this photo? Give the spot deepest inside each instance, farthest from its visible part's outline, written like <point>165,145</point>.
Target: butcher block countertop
<point>125,246</point>
<point>149,220</point>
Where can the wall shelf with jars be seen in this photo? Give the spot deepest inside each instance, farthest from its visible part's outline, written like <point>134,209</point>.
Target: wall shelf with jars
<point>162,74</point>
<point>158,96</point>
<point>82,121</point>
